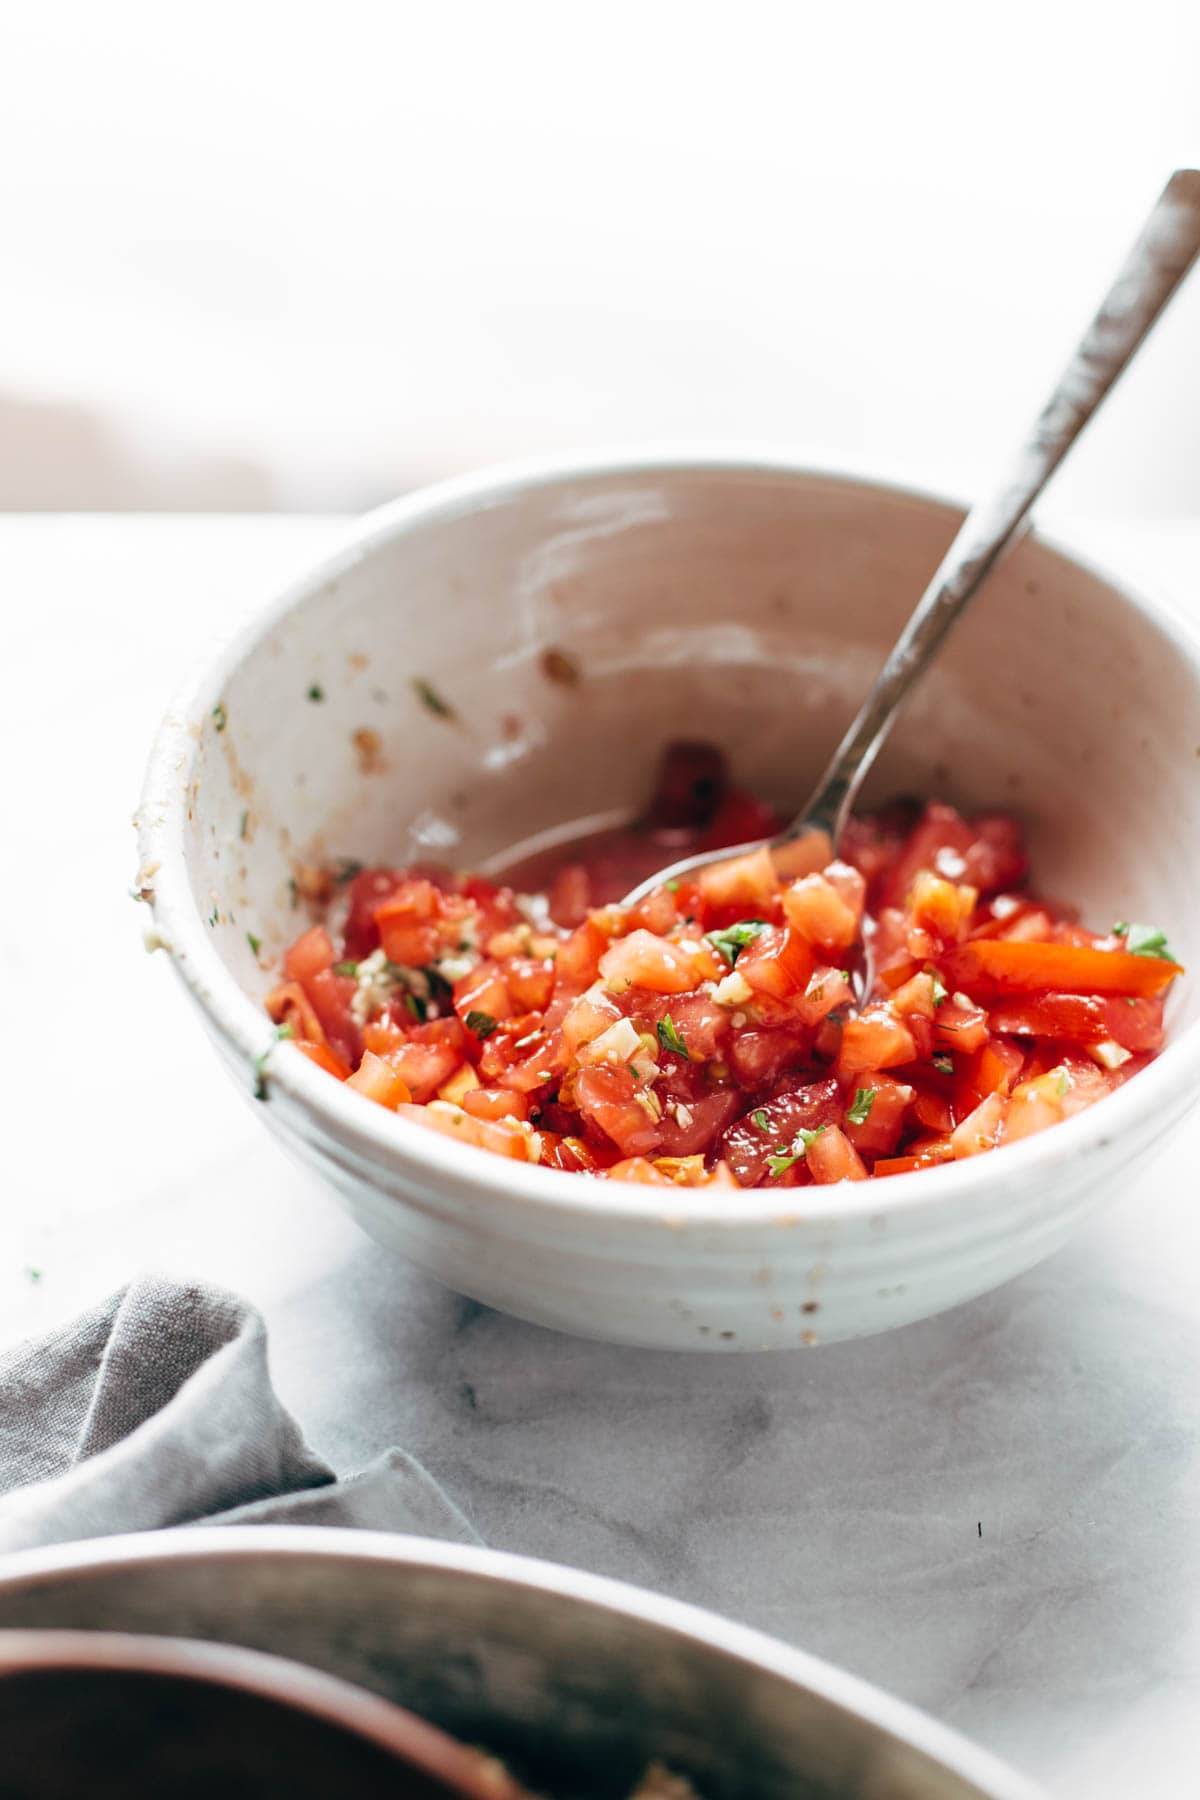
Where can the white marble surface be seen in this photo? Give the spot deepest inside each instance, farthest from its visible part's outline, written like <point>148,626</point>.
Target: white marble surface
<point>993,1514</point>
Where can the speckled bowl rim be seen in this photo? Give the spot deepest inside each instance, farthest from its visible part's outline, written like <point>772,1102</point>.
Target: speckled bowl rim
<point>852,1694</point>
<point>378,1137</point>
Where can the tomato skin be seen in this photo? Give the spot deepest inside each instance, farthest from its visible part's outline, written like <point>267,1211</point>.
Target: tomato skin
<point>807,1106</point>
<point>700,1124</point>
<point>989,966</point>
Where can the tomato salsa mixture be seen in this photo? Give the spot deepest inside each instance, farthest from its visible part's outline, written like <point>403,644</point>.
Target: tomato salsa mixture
<point>754,1026</point>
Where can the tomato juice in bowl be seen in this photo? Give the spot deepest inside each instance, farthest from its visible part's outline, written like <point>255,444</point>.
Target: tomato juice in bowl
<point>513,653</point>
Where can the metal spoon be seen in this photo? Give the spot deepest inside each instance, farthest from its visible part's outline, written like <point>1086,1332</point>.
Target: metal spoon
<point>1158,262</point>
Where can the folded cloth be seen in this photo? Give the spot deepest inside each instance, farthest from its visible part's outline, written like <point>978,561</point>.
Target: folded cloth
<point>156,1408</point>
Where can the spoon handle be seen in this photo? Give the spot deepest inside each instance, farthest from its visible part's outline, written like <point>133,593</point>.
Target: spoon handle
<point>1158,262</point>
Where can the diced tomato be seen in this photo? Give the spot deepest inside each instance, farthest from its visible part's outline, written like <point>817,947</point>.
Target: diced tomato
<point>878,1133</point>
<point>769,1129</point>
<point>1135,1024</point>
<point>325,1058</point>
<point>503,1137</point>
<point>876,1039</point>
<point>778,962</point>
<point>959,1026</point>
<point>822,914</point>
<point>758,1058</point>
<point>691,1127</point>
<point>579,957</point>
<point>827,990</point>
<point>996,858</point>
<point>702,1025</point>
<point>331,996</point>
<point>986,966</point>
<point>367,891</point>
<point>428,1057</point>
<point>571,1153</point>
<point>744,881</point>
<point>483,992</point>
<point>309,955</point>
<point>939,843</point>
<point>941,907</point>
<point>981,1129</point>
<point>407,922</point>
<point>378,1080</point>
<point>289,1005</point>
<point>832,1157</point>
<point>495,1103</point>
<point>607,1101</point>
<point>926,1157</point>
<point>643,961</point>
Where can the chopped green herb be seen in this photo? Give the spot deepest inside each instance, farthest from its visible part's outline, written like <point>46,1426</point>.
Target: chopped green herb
<point>944,1064</point>
<point>33,1274</point>
<point>860,1110</point>
<point>481,1023</point>
<point>1144,940</point>
<point>346,870</point>
<point>293,892</point>
<point>780,1160</point>
<point>416,1006</point>
<point>672,886</point>
<point>260,1062</point>
<point>431,700</point>
<point>243,824</point>
<point>940,991</point>
<point>1121,928</point>
<point>254,942</point>
<point>316,691</point>
<point>214,917</point>
<point>733,940</point>
<point>1064,1083</point>
<point>670,1039</point>
<point>761,1120</point>
<point>345,968</point>
<point>220,717</point>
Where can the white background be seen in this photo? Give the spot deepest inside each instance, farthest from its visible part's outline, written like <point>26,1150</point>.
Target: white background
<point>301,255</point>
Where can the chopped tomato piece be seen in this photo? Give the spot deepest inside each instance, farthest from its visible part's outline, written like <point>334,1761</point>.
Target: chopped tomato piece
<point>378,1080</point>
<point>778,962</point>
<point>325,1058</point>
<point>876,1039</point>
<point>309,955</point>
<point>832,1157</point>
<point>608,1100</point>
<point>989,966</point>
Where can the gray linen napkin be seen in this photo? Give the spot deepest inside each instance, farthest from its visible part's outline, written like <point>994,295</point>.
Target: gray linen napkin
<point>156,1408</point>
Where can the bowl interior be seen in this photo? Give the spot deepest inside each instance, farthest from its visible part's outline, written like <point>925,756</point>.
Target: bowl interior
<point>486,666</point>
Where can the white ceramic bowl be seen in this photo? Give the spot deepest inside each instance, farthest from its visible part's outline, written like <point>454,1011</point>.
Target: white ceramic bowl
<point>748,601</point>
